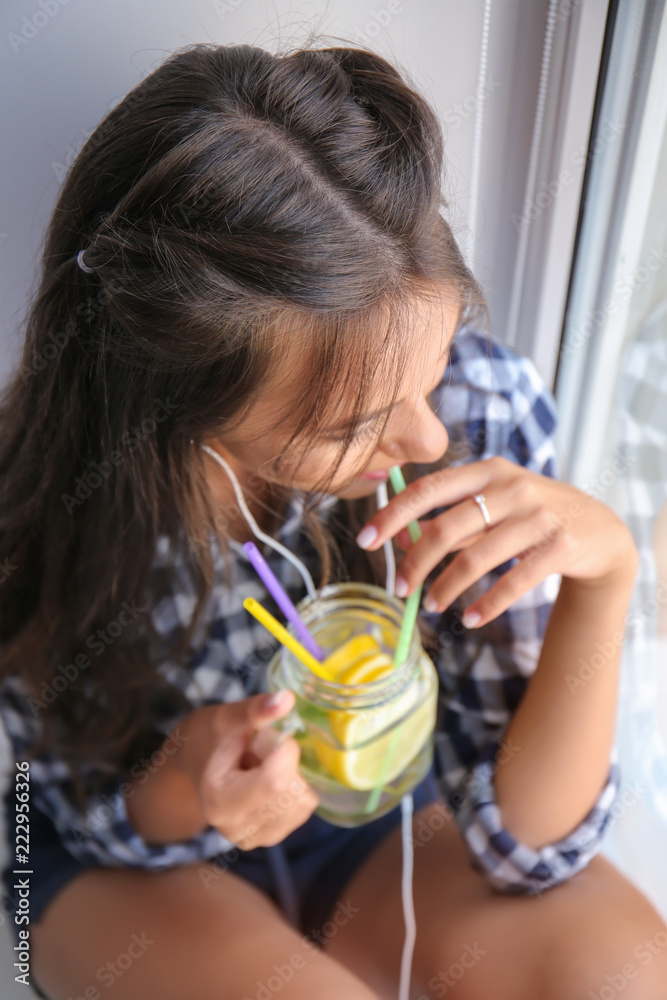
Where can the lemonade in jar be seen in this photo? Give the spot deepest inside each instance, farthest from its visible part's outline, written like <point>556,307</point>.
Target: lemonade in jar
<point>366,737</point>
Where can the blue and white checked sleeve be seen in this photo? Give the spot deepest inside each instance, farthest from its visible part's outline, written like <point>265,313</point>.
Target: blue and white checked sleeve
<point>102,834</point>
<point>227,663</point>
<point>496,403</point>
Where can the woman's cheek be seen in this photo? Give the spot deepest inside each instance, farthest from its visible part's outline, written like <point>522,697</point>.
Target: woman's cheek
<point>346,474</point>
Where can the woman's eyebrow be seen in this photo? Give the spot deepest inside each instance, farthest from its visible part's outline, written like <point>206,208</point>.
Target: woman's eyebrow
<point>385,409</point>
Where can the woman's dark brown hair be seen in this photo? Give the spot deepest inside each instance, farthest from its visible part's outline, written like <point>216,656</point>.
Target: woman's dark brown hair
<point>233,198</point>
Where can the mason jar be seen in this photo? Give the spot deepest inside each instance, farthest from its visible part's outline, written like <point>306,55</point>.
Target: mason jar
<point>363,746</point>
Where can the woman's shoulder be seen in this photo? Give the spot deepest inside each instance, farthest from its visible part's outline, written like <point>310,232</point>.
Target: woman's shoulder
<point>479,360</point>
<point>494,401</point>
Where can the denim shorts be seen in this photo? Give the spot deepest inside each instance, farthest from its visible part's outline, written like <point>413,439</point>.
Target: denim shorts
<point>305,874</point>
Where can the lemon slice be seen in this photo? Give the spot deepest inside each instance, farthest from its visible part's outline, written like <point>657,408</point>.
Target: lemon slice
<point>364,671</point>
<point>345,656</point>
<point>361,768</point>
<point>354,728</point>
<point>358,760</point>
<point>358,726</point>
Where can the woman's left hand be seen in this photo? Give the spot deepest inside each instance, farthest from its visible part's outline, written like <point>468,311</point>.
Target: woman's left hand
<point>550,526</point>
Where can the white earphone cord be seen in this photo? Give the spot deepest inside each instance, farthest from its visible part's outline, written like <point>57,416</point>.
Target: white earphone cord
<point>406,811</point>
<point>406,801</point>
<point>254,527</point>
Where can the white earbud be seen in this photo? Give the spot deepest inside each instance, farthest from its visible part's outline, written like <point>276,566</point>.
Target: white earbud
<point>382,500</point>
<point>254,527</point>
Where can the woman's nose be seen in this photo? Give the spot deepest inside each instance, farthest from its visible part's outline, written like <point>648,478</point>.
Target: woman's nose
<point>422,439</point>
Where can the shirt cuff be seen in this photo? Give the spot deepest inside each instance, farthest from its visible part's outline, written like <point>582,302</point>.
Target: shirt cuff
<point>511,866</point>
<point>104,835</point>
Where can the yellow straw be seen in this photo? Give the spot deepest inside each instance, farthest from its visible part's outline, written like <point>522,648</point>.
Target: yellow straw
<point>280,633</point>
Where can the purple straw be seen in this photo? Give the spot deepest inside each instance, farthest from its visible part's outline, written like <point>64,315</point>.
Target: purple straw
<point>281,598</point>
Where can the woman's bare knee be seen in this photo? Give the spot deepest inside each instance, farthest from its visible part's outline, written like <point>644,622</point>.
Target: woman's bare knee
<point>601,952</point>
<point>133,935</point>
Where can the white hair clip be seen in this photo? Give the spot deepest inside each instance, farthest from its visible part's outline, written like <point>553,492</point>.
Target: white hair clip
<point>79,260</point>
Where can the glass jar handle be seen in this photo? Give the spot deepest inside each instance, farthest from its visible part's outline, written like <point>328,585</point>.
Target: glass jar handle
<point>288,725</point>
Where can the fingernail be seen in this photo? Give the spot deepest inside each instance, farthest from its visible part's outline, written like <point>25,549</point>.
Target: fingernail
<point>430,604</point>
<point>401,587</point>
<point>273,700</point>
<point>470,618</point>
<point>367,536</point>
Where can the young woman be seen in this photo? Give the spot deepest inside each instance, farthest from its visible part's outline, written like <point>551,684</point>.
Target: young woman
<point>249,254</point>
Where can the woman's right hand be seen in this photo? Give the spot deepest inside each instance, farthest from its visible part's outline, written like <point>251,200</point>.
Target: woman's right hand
<point>245,773</point>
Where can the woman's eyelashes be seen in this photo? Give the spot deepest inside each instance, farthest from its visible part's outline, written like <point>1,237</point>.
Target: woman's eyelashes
<point>363,433</point>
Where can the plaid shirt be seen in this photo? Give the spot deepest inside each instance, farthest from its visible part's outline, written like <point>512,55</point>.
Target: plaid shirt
<point>639,465</point>
<point>493,402</point>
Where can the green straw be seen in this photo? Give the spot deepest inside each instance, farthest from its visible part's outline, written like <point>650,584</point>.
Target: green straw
<point>398,483</point>
<point>403,644</point>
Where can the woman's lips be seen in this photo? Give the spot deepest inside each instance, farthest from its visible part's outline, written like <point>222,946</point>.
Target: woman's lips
<point>380,473</point>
